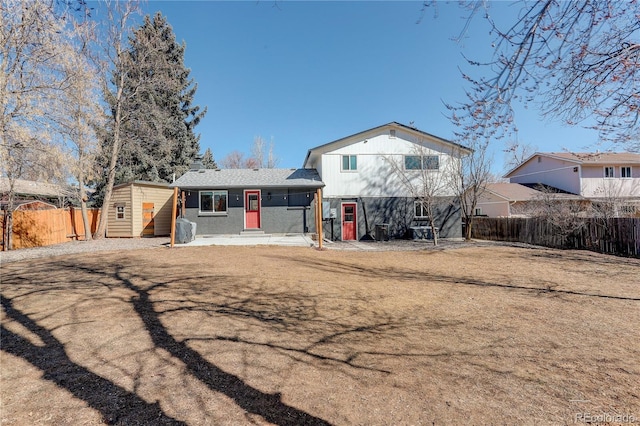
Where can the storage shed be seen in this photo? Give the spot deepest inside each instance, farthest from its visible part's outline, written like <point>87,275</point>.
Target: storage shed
<point>140,209</point>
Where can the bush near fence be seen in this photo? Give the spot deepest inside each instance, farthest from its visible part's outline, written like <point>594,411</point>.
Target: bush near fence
<point>619,236</point>
<point>36,228</point>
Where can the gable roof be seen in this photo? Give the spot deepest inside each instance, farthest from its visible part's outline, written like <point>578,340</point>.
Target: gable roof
<point>585,158</point>
<point>249,178</point>
<point>327,147</point>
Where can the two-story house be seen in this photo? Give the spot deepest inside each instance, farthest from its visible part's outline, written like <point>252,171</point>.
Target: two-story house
<point>382,176</point>
<point>379,177</point>
<point>600,177</point>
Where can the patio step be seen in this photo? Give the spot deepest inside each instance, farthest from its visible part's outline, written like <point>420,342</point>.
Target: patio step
<point>253,233</point>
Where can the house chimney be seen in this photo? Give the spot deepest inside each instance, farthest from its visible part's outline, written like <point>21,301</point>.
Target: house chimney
<point>197,163</point>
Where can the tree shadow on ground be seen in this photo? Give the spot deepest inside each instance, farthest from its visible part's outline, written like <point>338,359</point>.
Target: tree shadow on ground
<point>117,405</point>
<point>335,266</point>
<point>268,406</point>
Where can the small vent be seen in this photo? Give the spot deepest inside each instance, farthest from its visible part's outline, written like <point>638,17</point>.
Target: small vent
<point>575,169</point>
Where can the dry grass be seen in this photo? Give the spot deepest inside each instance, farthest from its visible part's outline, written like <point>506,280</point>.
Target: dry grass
<point>258,335</point>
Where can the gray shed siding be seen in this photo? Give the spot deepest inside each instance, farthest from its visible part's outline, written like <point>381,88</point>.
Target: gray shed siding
<point>398,213</point>
<point>282,211</point>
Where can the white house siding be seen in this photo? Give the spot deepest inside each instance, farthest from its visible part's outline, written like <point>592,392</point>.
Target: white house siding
<point>594,185</point>
<point>550,171</point>
<point>375,176</point>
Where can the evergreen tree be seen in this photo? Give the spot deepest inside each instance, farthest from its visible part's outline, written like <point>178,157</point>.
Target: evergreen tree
<point>208,160</point>
<point>159,115</point>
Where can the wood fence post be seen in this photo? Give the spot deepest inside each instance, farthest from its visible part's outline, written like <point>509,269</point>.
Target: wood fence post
<point>174,208</point>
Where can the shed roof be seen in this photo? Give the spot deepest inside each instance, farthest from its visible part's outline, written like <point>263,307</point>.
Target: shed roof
<point>249,178</point>
<point>143,183</point>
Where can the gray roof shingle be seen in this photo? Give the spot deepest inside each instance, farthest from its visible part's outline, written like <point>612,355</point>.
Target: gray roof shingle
<point>249,178</point>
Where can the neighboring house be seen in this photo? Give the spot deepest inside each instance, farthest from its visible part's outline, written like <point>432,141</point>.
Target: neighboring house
<point>515,200</point>
<point>366,177</point>
<point>26,191</point>
<point>599,177</point>
<point>140,209</point>
<point>231,201</point>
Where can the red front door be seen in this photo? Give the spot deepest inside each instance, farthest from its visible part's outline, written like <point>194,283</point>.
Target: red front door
<point>349,222</point>
<point>252,209</point>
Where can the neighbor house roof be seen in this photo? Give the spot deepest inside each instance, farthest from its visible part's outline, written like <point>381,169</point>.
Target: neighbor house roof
<point>585,158</point>
<point>321,149</point>
<point>40,189</point>
<point>599,157</point>
<point>518,192</point>
<point>249,178</point>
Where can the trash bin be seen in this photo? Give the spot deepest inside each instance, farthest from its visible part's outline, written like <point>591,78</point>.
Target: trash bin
<point>382,232</point>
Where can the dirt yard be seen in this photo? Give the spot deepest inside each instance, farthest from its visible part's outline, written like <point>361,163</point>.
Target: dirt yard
<point>296,336</point>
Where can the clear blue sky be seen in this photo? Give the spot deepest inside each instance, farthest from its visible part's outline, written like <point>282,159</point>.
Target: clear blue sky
<point>306,73</point>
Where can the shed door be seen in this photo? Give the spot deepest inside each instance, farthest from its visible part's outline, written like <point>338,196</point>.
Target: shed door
<point>147,220</point>
<point>349,222</point>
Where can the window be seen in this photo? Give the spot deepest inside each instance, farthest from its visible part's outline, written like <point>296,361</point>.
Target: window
<point>120,213</point>
<point>349,162</point>
<point>213,202</point>
<point>417,162</point>
<point>392,133</point>
<point>420,209</point>
<point>608,171</point>
<point>625,172</point>
<point>628,209</point>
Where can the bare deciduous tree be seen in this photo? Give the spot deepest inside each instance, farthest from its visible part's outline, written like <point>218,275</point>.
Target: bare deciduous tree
<point>262,157</point>
<point>579,59</point>
<point>119,15</point>
<point>36,48</point>
<point>471,175</point>
<point>429,179</point>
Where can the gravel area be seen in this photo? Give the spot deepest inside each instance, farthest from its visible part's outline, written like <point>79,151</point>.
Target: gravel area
<point>73,247</point>
<point>120,244</point>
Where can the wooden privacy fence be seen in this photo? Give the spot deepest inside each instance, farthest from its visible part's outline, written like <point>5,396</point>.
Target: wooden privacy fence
<point>36,228</point>
<point>619,236</point>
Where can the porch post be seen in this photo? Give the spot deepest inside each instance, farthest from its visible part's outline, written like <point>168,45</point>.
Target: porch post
<point>174,208</point>
<point>319,216</point>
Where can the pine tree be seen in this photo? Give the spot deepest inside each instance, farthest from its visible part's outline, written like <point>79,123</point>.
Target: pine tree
<point>158,131</point>
<point>208,160</point>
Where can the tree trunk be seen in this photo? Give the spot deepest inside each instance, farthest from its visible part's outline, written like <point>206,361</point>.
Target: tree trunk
<point>115,151</point>
<point>8,218</point>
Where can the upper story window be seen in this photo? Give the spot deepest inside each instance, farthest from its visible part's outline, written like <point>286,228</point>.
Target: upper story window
<point>608,171</point>
<point>625,172</point>
<point>392,133</point>
<point>213,202</point>
<point>349,162</point>
<point>424,162</point>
